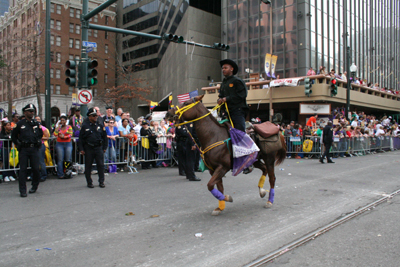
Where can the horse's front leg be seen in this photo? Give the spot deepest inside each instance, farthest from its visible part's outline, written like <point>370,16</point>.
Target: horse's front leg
<point>218,192</point>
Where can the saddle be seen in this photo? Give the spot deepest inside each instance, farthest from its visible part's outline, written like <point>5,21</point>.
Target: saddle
<point>265,135</point>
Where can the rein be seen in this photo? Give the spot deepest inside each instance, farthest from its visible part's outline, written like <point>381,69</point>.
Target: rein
<point>180,111</point>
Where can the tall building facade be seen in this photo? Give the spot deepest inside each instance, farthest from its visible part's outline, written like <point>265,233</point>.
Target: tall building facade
<point>167,67</point>
<point>22,45</point>
<point>314,33</point>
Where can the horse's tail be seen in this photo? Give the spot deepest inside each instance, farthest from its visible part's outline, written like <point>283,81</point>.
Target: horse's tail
<point>281,153</point>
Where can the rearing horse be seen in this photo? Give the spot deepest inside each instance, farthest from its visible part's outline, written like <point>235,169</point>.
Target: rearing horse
<point>216,149</point>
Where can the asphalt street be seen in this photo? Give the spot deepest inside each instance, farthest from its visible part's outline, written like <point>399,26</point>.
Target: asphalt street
<point>89,227</point>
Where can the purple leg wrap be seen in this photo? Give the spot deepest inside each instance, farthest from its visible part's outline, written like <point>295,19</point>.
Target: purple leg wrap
<point>271,195</point>
<point>215,192</point>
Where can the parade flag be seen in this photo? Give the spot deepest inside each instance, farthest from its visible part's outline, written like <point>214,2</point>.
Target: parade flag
<point>185,97</point>
<point>273,66</point>
<point>169,100</point>
<point>267,65</point>
<point>153,104</point>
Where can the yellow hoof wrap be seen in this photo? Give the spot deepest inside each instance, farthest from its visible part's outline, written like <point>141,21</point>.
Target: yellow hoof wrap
<point>262,181</point>
<point>221,205</point>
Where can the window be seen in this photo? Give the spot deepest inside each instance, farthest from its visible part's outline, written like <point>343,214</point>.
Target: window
<point>71,57</point>
<point>52,24</point>
<point>58,9</point>
<point>70,90</point>
<point>71,27</point>
<point>106,49</point>
<point>58,41</point>
<point>52,89</point>
<point>105,78</point>
<point>77,58</point>
<point>96,18</point>
<point>90,32</point>
<point>72,12</point>
<point>52,39</point>
<point>51,9</point>
<point>78,13</point>
<point>95,49</point>
<point>77,44</point>
<point>58,74</point>
<point>77,29</point>
<point>58,57</point>
<point>58,25</point>
<point>23,18</point>
<point>58,89</point>
<point>106,20</point>
<point>15,23</point>
<point>95,33</point>
<point>106,35</point>
<point>51,73</point>
<point>106,63</point>
<point>95,92</point>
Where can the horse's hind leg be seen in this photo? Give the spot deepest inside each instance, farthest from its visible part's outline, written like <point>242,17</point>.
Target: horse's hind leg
<point>258,164</point>
<point>270,162</point>
<point>218,192</point>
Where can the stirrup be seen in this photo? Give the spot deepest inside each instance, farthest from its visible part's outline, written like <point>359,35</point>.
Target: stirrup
<point>248,170</point>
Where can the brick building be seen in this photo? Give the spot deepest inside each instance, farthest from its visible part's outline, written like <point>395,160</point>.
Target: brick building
<point>22,45</point>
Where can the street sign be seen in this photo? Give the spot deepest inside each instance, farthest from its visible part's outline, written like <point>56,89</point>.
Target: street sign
<point>74,99</point>
<point>85,96</point>
<point>89,49</point>
<point>89,44</point>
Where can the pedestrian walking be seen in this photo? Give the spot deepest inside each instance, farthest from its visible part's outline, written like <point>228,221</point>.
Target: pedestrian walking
<point>27,135</point>
<point>93,143</point>
<point>327,139</point>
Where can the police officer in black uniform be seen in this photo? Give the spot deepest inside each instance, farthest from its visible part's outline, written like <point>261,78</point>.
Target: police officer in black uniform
<point>186,151</point>
<point>327,139</point>
<point>93,143</point>
<point>27,136</point>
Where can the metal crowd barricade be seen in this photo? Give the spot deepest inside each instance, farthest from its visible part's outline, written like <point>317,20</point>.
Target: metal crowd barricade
<point>159,154</point>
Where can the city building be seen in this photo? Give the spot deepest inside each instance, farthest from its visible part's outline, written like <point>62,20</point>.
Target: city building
<point>311,33</point>
<point>22,45</point>
<point>166,66</point>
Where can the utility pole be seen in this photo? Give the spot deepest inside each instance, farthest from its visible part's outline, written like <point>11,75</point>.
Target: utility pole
<point>47,106</point>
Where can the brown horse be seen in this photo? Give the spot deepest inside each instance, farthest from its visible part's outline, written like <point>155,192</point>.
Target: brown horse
<point>219,158</point>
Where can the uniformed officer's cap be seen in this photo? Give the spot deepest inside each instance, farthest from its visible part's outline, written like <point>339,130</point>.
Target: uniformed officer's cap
<point>230,62</point>
<point>29,107</point>
<point>91,111</point>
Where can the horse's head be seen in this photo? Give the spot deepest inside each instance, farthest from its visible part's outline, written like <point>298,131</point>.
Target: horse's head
<point>184,112</point>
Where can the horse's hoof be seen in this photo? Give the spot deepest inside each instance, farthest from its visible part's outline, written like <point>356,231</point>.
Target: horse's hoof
<point>216,212</point>
<point>228,198</point>
<point>268,205</point>
<point>263,192</point>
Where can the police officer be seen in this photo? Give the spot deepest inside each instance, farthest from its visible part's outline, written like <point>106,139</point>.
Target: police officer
<point>234,92</point>
<point>93,143</point>
<point>327,139</point>
<point>27,136</point>
<point>186,151</point>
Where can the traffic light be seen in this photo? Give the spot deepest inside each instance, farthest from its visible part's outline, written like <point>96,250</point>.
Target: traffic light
<point>222,47</point>
<point>173,38</point>
<point>71,73</point>
<point>333,87</point>
<point>92,72</point>
<point>307,86</point>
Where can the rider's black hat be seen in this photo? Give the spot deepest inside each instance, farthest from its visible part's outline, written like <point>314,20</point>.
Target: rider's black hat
<point>230,62</point>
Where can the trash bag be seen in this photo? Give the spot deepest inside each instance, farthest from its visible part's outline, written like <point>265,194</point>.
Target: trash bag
<point>245,151</point>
